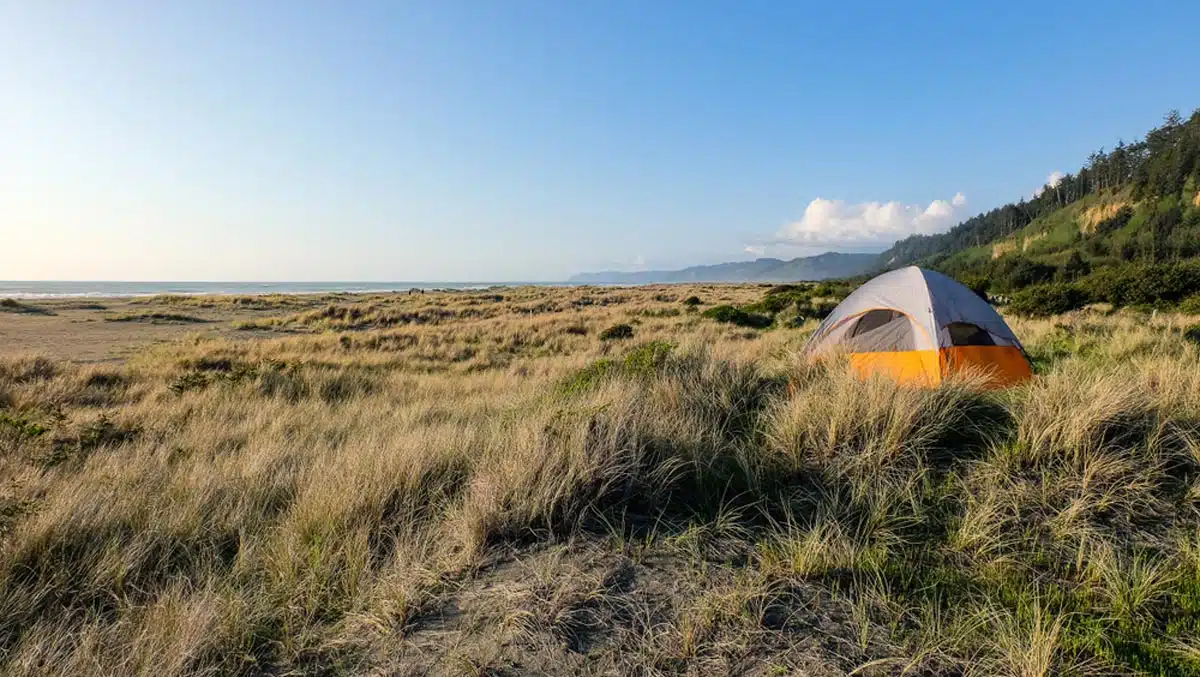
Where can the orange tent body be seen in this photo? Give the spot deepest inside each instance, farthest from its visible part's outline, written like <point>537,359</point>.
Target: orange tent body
<point>918,327</point>
<point>1003,365</point>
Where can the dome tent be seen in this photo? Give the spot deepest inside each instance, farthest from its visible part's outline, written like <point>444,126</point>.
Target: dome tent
<point>917,326</point>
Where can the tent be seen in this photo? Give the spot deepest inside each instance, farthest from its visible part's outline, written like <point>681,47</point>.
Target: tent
<point>917,326</point>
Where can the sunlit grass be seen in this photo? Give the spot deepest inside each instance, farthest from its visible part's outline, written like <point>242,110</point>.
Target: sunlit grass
<point>361,491</point>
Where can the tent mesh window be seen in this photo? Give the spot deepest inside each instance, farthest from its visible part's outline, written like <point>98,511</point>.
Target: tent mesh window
<point>881,330</point>
<point>967,334</point>
<point>873,319</point>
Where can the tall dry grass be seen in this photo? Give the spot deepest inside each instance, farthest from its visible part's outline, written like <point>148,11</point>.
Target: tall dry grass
<point>498,492</point>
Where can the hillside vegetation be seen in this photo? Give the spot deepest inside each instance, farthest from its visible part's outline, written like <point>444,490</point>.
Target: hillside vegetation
<point>478,483</point>
<point>1124,229</point>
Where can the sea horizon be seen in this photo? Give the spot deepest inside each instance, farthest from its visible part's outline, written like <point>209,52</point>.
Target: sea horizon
<point>49,289</point>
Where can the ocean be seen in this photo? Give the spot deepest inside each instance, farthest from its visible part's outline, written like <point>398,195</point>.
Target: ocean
<point>68,289</point>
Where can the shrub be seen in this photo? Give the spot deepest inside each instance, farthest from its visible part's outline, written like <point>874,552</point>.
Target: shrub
<point>617,331</point>
<point>1018,272</point>
<point>1190,305</point>
<point>1134,284</point>
<point>576,330</point>
<point>1047,299</point>
<point>692,301</point>
<point>644,361</point>
<point>786,289</point>
<point>820,309</point>
<point>1192,333</point>
<point>732,315</point>
<point>647,359</point>
<point>1074,268</point>
<point>774,303</point>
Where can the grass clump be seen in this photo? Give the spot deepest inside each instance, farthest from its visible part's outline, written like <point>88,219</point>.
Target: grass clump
<point>156,317</point>
<point>15,306</point>
<point>642,362</point>
<point>617,332</point>
<point>732,315</point>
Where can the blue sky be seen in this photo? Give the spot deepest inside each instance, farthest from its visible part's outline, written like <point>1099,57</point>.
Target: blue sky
<point>514,140</point>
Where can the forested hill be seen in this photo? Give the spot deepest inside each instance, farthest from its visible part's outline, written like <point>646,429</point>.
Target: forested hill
<point>1129,218</point>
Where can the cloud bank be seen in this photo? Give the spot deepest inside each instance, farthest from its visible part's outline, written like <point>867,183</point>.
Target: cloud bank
<point>835,224</point>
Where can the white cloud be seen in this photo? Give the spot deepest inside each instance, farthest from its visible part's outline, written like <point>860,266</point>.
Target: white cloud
<point>756,250</point>
<point>1053,180</point>
<point>866,225</point>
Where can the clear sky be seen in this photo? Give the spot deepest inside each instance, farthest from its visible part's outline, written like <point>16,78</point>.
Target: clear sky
<point>515,140</point>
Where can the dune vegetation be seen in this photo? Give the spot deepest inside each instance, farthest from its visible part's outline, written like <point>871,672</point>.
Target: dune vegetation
<point>481,483</point>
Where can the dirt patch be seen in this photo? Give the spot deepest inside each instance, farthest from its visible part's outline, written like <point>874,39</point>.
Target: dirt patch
<point>588,608</point>
<point>1001,248</point>
<point>1094,216</point>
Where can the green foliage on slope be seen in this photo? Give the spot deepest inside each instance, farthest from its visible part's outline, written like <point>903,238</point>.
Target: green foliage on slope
<point>1129,218</point>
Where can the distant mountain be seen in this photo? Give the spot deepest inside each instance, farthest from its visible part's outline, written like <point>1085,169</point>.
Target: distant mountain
<point>820,267</point>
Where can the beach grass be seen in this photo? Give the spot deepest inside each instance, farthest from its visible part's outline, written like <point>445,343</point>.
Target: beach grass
<point>480,483</point>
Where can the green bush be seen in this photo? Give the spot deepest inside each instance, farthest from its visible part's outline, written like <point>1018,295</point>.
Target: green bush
<point>617,332</point>
<point>1017,272</point>
<point>772,304</point>
<point>642,362</point>
<point>1047,299</point>
<point>1190,305</point>
<point>786,289</point>
<point>692,301</point>
<point>742,318</point>
<point>1074,268</point>
<point>819,310</point>
<point>1137,284</point>
<point>646,360</point>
